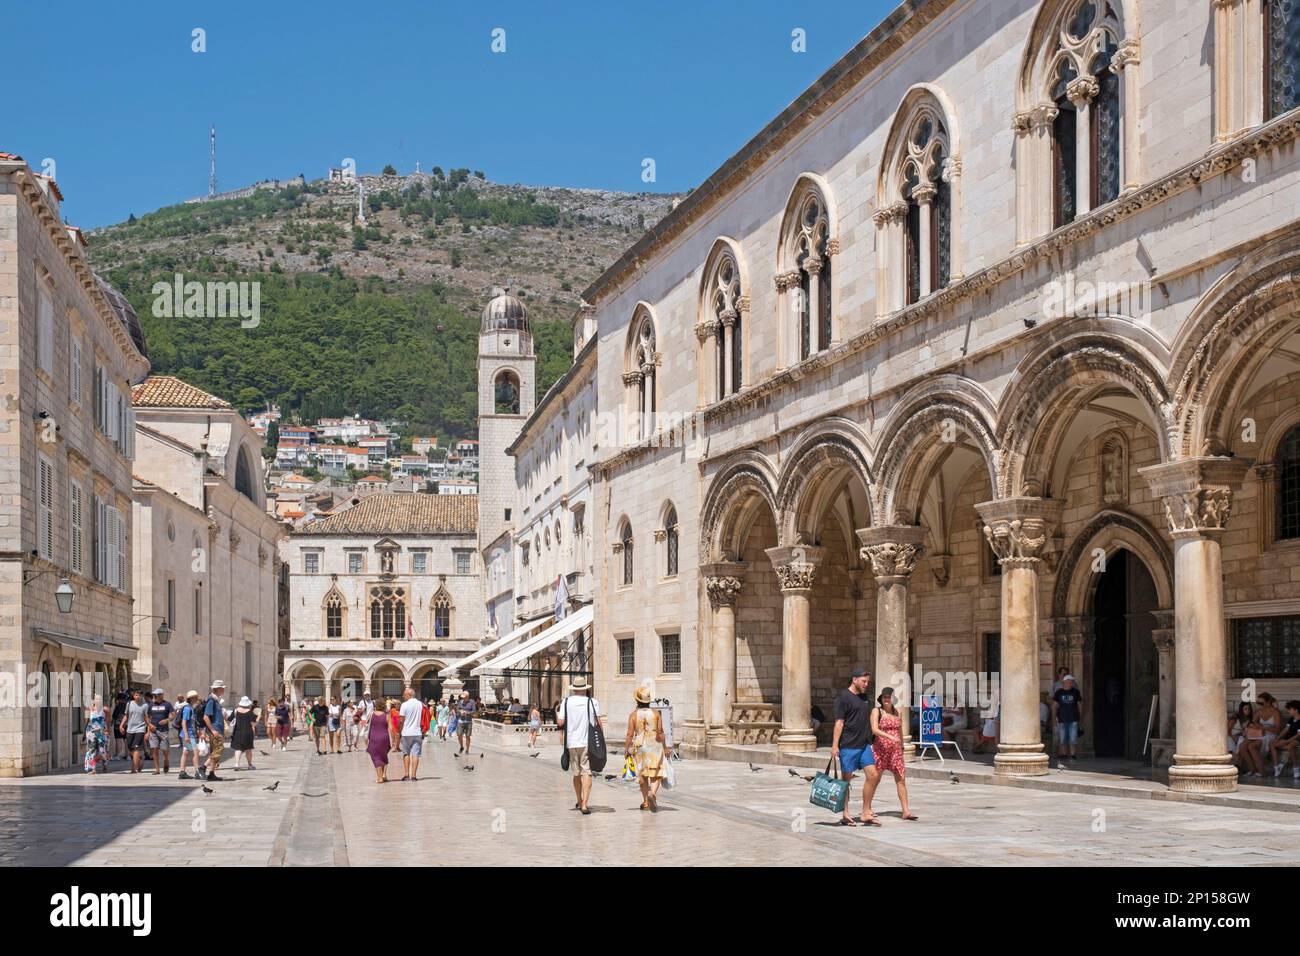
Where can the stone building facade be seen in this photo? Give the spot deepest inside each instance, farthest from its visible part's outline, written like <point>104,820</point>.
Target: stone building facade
<point>383,595</point>
<point>70,350</point>
<point>981,356</point>
<point>206,551</point>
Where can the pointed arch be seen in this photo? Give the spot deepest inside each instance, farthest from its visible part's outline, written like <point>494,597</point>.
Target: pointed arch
<point>641,359</point>
<point>442,611</point>
<point>334,608</point>
<point>1053,383</point>
<point>923,427</point>
<point>918,201</point>
<point>830,457</point>
<point>808,243</point>
<point>1109,531</point>
<point>722,329</point>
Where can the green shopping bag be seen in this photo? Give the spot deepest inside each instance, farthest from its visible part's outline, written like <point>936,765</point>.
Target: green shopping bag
<point>828,791</point>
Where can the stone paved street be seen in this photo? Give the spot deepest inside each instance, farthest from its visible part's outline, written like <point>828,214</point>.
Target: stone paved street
<point>516,809</point>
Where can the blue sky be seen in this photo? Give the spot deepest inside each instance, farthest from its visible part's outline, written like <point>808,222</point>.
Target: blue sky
<point>583,92</point>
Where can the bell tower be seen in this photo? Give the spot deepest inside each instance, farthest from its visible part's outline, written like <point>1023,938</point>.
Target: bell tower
<point>507,393</point>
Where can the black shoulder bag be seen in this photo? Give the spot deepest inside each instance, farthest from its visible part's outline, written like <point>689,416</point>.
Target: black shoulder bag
<point>564,750</point>
<point>597,754</point>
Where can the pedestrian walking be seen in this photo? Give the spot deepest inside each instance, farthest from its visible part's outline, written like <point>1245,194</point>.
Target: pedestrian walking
<point>320,715</point>
<point>187,728</point>
<point>377,743</point>
<point>243,732</point>
<point>887,733</point>
<point>213,722</point>
<point>271,721</point>
<point>851,744</point>
<point>444,718</point>
<point>645,744</point>
<point>412,734</point>
<point>465,711</point>
<point>135,727</point>
<point>97,737</point>
<point>284,713</point>
<point>534,724</point>
<point>349,724</point>
<point>575,715</point>
<point>160,733</point>
<point>334,724</point>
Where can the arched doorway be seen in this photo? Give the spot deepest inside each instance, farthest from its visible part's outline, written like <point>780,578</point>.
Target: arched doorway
<point>1125,675</point>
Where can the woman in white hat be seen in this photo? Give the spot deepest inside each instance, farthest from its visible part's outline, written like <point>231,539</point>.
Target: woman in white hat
<point>244,723</point>
<point>645,742</point>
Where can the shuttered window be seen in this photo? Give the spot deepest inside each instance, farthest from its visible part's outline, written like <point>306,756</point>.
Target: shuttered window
<point>45,332</point>
<point>45,511</point>
<point>76,520</point>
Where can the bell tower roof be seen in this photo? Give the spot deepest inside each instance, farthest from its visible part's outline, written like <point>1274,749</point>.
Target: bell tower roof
<point>504,313</point>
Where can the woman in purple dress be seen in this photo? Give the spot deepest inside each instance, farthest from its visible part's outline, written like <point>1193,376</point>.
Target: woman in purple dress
<point>378,744</point>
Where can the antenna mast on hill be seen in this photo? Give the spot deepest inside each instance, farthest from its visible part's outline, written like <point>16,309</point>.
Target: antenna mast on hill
<point>212,176</point>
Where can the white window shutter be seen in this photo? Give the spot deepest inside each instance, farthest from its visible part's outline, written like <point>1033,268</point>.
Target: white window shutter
<point>45,332</point>
<point>45,512</point>
<point>74,373</point>
<point>122,576</point>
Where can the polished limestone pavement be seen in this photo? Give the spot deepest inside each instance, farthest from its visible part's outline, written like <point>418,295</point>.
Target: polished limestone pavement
<point>516,809</point>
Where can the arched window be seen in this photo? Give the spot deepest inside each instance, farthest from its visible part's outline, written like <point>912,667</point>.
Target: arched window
<point>671,541</point>
<point>335,608</point>
<point>387,613</point>
<point>506,393</point>
<point>807,248</point>
<point>721,330</point>
<point>1079,115</point>
<point>916,203</point>
<point>1281,56</point>
<point>245,483</point>
<point>1287,463</point>
<point>46,703</point>
<point>625,547</point>
<point>641,362</point>
<point>442,613</point>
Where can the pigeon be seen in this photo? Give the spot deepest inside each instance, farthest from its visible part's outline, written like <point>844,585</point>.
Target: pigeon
<point>952,777</point>
<point>753,769</point>
<point>536,755</point>
<point>468,768</point>
<point>792,772</point>
<point>811,779</point>
<point>207,789</point>
<point>610,776</point>
<point>480,756</point>
<point>457,756</point>
<point>272,786</point>
<point>263,753</point>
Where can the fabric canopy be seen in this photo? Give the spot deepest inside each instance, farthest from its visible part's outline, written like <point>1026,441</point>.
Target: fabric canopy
<point>540,642</point>
<point>495,646</point>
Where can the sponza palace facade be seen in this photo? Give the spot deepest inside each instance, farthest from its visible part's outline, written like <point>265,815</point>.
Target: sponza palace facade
<point>870,397</point>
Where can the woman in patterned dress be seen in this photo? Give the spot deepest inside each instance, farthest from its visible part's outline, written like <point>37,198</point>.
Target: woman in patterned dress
<point>887,727</point>
<point>96,737</point>
<point>645,742</point>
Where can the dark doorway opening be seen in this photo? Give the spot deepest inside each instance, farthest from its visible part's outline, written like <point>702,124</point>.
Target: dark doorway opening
<point>1124,671</point>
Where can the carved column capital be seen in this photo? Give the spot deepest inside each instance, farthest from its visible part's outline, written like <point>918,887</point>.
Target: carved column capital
<point>812,265</point>
<point>728,318</point>
<point>786,280</point>
<point>1197,492</point>
<point>723,581</point>
<point>796,566</point>
<point>1019,529</point>
<point>632,378</point>
<point>1129,53</point>
<point>924,193</point>
<point>887,214</point>
<point>1037,117</point>
<point>707,329</point>
<point>742,303</point>
<point>1082,90</point>
<point>892,550</point>
<point>833,247</point>
<point>951,169</point>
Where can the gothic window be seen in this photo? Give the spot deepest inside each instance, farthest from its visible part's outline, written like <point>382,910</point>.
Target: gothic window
<point>334,609</point>
<point>387,613</point>
<point>442,614</point>
<point>806,252</point>
<point>1287,463</point>
<point>1087,127</point>
<point>671,541</point>
<point>244,481</point>
<point>723,326</point>
<point>625,540</point>
<point>1281,56</point>
<point>506,393</point>
<point>915,215</point>
<point>640,364</point>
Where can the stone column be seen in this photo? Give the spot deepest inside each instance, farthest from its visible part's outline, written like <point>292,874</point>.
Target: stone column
<point>728,318</point>
<point>1018,530</point>
<point>648,400</point>
<point>1081,93</point>
<point>813,266</point>
<point>632,381</point>
<point>722,581</point>
<point>1124,64</point>
<point>707,333</point>
<point>893,552</point>
<point>1197,495</point>
<point>1162,635</point>
<point>924,196</point>
<point>795,568</point>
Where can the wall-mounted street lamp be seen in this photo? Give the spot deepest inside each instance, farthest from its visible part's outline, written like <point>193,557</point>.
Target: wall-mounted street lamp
<point>63,594</point>
<point>164,632</point>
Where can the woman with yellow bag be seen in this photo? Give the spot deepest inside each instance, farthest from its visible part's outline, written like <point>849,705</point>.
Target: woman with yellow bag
<point>645,745</point>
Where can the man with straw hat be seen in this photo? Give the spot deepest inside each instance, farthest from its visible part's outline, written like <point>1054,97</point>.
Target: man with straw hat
<point>574,717</point>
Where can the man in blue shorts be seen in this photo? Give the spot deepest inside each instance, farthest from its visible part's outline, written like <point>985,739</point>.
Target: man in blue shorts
<point>851,745</point>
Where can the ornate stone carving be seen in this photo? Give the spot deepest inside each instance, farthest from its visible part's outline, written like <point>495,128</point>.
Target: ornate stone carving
<point>234,539</point>
<point>1037,117</point>
<point>723,590</point>
<point>632,378</point>
<point>924,193</point>
<point>1017,539</point>
<point>1197,492</point>
<point>812,265</point>
<point>951,168</point>
<point>661,534</point>
<point>706,329</point>
<point>887,214</point>
<point>1129,53</point>
<point>786,280</point>
<point>833,247</point>
<point>742,303</point>
<point>728,317</point>
<point>892,559</point>
<point>1206,509</point>
<point>796,576</point>
<point>941,568</point>
<point>1082,90</point>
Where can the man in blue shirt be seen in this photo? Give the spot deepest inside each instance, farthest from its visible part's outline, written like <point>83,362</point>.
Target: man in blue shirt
<point>1068,701</point>
<point>464,721</point>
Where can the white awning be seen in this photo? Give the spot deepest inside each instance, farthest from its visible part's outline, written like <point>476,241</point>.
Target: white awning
<point>552,635</point>
<point>495,646</point>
